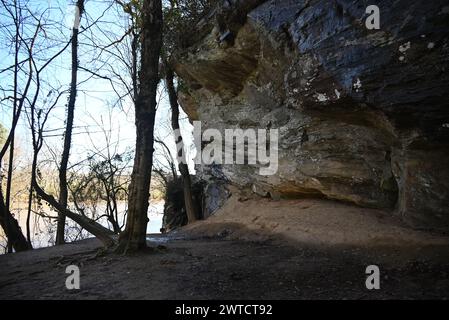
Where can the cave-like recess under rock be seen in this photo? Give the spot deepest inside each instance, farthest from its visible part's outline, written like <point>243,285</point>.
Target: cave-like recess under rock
<point>363,114</point>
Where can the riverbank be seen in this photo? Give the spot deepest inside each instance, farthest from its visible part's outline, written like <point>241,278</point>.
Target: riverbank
<point>217,259</point>
<point>43,230</point>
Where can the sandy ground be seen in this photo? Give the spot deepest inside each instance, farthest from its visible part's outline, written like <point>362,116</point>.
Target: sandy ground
<point>254,249</point>
<point>314,222</point>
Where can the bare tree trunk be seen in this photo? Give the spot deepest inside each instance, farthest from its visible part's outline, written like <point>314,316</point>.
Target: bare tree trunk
<point>10,164</point>
<point>111,203</point>
<point>16,239</point>
<point>103,234</point>
<point>169,158</point>
<point>63,189</point>
<point>190,206</point>
<point>11,227</point>
<point>30,196</point>
<point>13,129</point>
<point>134,236</point>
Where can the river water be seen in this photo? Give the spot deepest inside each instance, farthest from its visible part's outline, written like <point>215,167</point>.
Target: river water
<point>43,230</point>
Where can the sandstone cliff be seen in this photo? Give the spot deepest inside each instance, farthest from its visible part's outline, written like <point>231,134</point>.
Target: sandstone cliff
<point>363,114</point>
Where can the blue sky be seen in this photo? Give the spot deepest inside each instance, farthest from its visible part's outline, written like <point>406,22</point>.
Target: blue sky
<point>96,97</point>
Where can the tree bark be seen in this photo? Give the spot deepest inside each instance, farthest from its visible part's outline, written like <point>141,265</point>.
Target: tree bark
<point>134,236</point>
<point>103,234</point>
<point>16,239</point>
<point>30,194</point>
<point>169,159</point>
<point>191,208</point>
<point>12,229</point>
<point>63,190</point>
<point>13,128</point>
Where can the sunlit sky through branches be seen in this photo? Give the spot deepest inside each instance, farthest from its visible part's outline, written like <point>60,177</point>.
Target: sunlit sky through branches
<point>103,110</point>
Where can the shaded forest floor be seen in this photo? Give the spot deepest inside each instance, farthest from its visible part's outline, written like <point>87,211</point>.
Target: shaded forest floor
<point>218,259</point>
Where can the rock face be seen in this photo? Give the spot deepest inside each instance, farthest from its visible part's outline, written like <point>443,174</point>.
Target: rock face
<point>362,114</point>
<point>208,197</point>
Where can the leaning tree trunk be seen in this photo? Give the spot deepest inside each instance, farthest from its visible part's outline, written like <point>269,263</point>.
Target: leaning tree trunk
<point>103,234</point>
<point>190,206</point>
<point>12,229</point>
<point>63,190</point>
<point>134,236</point>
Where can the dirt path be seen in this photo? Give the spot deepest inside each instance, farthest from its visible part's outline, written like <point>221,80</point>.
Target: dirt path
<point>250,250</point>
<point>223,269</point>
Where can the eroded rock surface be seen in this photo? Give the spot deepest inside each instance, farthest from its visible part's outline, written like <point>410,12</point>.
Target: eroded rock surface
<point>362,114</point>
